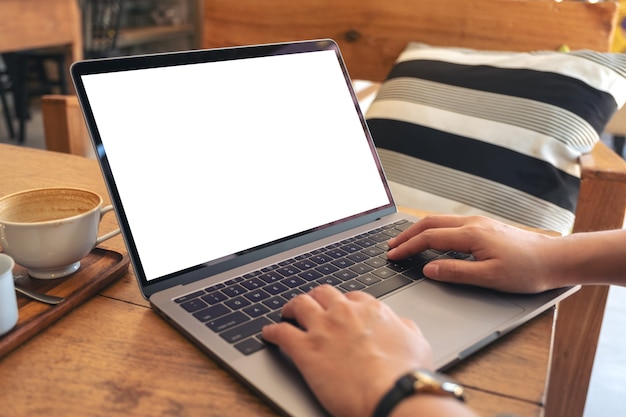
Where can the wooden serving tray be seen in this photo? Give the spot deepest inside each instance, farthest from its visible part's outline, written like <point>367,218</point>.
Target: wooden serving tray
<point>97,270</point>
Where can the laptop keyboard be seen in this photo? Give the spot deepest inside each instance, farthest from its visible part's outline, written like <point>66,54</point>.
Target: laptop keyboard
<point>239,308</point>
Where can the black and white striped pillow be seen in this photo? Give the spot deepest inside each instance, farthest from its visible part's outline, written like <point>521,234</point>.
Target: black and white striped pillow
<point>498,133</point>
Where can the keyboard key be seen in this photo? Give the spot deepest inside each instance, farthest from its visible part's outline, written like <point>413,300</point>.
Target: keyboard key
<point>342,263</point>
<point>352,285</point>
<point>368,279</point>
<point>336,253</point>
<point>237,302</point>
<point>366,243</point>
<point>275,288</point>
<point>291,294</point>
<point>308,286</point>
<point>321,258</point>
<point>403,224</point>
<point>361,268</point>
<point>215,297</point>
<point>212,312</point>
<point>245,330</point>
<point>293,282</point>
<point>271,277</point>
<point>379,237</point>
<point>427,255</point>
<point>392,233</point>
<point>331,280</point>
<point>225,322</point>
<point>304,265</point>
<point>256,310</point>
<point>193,305</point>
<point>345,274</point>
<point>249,346</point>
<point>384,273</point>
<point>376,262</point>
<point>373,251</point>
<point>234,290</point>
<point>310,275</point>
<point>383,246</point>
<point>257,295</point>
<point>415,273</point>
<point>404,265</point>
<point>327,269</point>
<point>351,248</point>
<point>387,286</point>
<point>359,257</point>
<point>275,316</point>
<point>288,271</point>
<point>253,283</point>
<point>275,302</point>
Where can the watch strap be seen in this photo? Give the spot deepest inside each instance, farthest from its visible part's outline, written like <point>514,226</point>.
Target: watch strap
<point>401,389</point>
<point>414,382</point>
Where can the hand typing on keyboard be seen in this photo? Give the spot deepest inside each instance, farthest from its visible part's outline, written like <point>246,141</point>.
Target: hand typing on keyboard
<point>505,256</point>
<point>351,348</point>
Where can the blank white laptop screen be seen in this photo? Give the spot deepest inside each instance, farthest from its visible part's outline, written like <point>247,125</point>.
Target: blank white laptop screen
<point>211,159</point>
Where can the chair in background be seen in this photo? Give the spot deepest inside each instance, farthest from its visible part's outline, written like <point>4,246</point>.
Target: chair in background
<point>371,35</point>
<point>5,87</point>
<point>64,127</point>
<point>30,75</point>
<point>43,71</point>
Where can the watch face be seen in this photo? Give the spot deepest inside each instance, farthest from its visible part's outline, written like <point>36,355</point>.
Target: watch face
<point>436,383</point>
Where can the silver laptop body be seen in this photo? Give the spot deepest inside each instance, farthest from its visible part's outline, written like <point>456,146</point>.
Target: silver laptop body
<point>229,169</point>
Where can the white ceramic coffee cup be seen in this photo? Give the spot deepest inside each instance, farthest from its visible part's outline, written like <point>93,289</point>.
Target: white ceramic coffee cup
<point>49,230</point>
<point>8,300</point>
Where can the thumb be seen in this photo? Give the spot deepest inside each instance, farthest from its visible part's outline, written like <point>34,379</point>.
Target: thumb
<point>454,271</point>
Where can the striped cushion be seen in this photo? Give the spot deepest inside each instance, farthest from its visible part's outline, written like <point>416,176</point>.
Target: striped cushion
<point>495,133</point>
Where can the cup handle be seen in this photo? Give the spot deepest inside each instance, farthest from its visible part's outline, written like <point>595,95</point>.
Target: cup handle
<point>109,235</point>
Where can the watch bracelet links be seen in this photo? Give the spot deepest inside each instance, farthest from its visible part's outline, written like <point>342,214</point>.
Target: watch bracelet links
<point>403,388</point>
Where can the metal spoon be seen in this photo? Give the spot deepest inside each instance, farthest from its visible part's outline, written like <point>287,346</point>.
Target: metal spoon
<point>44,298</point>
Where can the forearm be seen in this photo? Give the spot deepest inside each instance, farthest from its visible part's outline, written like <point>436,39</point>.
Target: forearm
<point>590,258</point>
<point>431,406</point>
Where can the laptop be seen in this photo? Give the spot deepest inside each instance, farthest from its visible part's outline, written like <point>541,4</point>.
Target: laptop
<point>242,177</point>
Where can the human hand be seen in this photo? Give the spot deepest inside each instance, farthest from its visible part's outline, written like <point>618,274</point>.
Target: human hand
<point>351,348</point>
<point>506,258</point>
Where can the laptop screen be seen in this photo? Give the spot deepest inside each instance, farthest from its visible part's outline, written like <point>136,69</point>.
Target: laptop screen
<point>212,159</point>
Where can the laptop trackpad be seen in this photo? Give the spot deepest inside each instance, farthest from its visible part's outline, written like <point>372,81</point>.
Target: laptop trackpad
<point>453,318</point>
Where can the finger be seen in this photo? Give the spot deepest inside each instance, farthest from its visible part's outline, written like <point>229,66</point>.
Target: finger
<point>303,309</point>
<point>284,335</point>
<point>428,222</point>
<point>434,238</point>
<point>359,296</point>
<point>325,295</point>
<point>459,272</point>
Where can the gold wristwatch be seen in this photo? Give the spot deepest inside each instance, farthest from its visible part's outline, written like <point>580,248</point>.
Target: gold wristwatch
<point>416,382</point>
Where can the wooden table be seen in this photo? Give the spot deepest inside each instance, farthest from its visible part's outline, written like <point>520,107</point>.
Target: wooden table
<point>114,356</point>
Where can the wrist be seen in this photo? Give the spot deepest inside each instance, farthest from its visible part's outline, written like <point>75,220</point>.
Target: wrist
<point>432,406</point>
